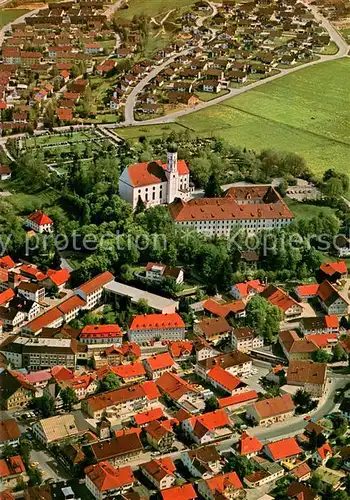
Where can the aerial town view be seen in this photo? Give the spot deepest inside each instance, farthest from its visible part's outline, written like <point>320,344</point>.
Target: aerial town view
<point>174,249</point>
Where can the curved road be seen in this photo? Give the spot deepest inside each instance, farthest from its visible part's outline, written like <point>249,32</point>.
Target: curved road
<point>131,99</point>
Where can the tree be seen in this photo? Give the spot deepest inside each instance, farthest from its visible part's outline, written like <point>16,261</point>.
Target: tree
<point>109,382</point>
<point>303,400</point>
<point>321,356</point>
<point>240,464</point>
<point>211,404</point>
<point>8,451</point>
<point>263,317</point>
<point>46,404</point>
<point>69,398</point>
<point>35,477</point>
<point>338,353</point>
<point>212,188</point>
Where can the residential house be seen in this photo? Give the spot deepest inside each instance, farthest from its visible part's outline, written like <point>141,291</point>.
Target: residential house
<point>157,272</point>
<point>223,381</point>
<point>160,435</point>
<point>279,298</point>
<point>121,403</point>
<point>333,271</point>
<point>271,410</point>
<point>12,472</point>
<point>104,481</point>
<point>213,329</point>
<point>208,427</point>
<point>156,326</point>
<point>56,279</point>
<point>130,373</point>
<point>180,350</point>
<point>307,292</point>
<point>183,492</point>
<point>238,401</point>
<point>284,450</point>
<point>244,339</point>
<point>221,486</point>
<point>39,222</point>
<point>297,490</point>
<point>210,86</point>
<point>160,472</point>
<point>248,446</point>
<point>158,364</point>
<point>302,472</point>
<point>331,300</point>
<point>9,433</point>
<point>15,392</point>
<point>204,462</point>
<point>52,429</point>
<point>120,450</point>
<point>144,418</point>
<point>5,173</point>
<point>31,291</point>
<point>294,347</point>
<point>236,363</point>
<point>322,454</point>
<point>308,375</point>
<point>325,324</point>
<point>181,392</point>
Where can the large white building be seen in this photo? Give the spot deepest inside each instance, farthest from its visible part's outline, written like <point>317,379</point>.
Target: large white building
<point>156,183</point>
<point>145,328</point>
<point>252,208</point>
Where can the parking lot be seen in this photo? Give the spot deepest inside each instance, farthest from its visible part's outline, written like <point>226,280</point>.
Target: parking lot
<point>253,379</point>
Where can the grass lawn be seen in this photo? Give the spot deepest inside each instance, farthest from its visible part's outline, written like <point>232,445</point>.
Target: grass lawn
<point>307,210</point>
<point>153,8</point>
<point>307,112</point>
<point>329,50</point>
<point>24,203</point>
<point>209,96</point>
<point>7,16</point>
<point>130,133</point>
<point>55,139</point>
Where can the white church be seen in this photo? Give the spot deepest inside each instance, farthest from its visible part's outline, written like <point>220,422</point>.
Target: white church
<point>156,183</point>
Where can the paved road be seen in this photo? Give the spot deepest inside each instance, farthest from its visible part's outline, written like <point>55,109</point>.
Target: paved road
<point>131,100</point>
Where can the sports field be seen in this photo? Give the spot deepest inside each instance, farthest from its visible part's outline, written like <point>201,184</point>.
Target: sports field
<point>7,16</point>
<point>307,112</point>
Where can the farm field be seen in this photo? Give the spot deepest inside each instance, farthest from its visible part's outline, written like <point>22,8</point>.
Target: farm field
<point>307,112</point>
<point>7,16</point>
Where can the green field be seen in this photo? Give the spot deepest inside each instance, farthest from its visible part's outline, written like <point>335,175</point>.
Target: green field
<point>24,203</point>
<point>307,112</point>
<point>153,8</point>
<point>306,210</point>
<point>7,16</point>
<point>130,133</point>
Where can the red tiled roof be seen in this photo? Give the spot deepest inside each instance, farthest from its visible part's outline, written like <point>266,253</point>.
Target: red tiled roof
<point>61,373</point>
<point>301,470</point>
<point>214,326</point>
<point>148,416</point>
<point>9,430</point>
<point>214,307</point>
<point>184,492</point>
<point>32,271</point>
<point>226,209</point>
<point>127,393</point>
<point>243,397</point>
<point>246,286</point>
<point>160,468</point>
<point>249,444</point>
<point>279,298</point>
<point>65,114</point>
<point>331,268</point>
<point>151,390</point>
<point>325,451</point>
<point>106,477</point>
<point>274,406</point>
<point>323,339</point>
<point>307,290</point>
<point>224,378</point>
<point>129,370</point>
<point>39,376</point>
<point>6,296</point>
<point>102,331</point>
<point>7,262</point>
<point>284,448</point>
<point>11,466</point>
<point>173,385</point>
<point>332,321</point>
<point>210,421</point>
<point>219,484</point>
<point>157,321</point>
<point>40,218</point>
<point>45,319</point>
<point>160,361</point>
<point>97,282</point>
<point>144,174</point>
<point>128,431</point>
<point>58,277</point>
<point>180,347</point>
<point>71,304</point>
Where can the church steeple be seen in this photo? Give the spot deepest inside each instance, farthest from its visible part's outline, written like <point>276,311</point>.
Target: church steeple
<point>172,158</point>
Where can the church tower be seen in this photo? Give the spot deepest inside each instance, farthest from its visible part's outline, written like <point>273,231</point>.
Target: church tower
<point>172,173</point>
